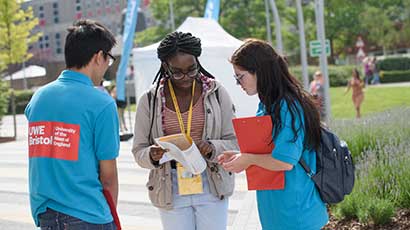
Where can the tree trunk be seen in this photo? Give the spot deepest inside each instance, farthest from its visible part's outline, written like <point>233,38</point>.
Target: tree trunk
<point>332,57</point>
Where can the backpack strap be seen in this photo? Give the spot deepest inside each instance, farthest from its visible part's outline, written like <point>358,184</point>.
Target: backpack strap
<point>149,95</point>
<point>217,96</point>
<point>305,167</point>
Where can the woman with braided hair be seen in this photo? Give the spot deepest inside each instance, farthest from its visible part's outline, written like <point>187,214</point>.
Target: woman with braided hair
<point>259,70</point>
<point>186,99</point>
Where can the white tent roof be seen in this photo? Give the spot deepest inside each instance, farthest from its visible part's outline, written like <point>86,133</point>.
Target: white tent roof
<point>217,48</point>
<point>210,32</point>
<point>31,71</point>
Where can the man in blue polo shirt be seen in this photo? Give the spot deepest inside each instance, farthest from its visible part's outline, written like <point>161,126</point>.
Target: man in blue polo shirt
<point>74,138</point>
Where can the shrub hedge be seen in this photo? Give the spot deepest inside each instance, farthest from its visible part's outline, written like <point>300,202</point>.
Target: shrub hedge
<point>22,98</point>
<point>394,64</point>
<point>338,75</point>
<point>394,76</point>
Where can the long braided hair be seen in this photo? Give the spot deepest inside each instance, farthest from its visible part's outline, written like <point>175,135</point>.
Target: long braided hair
<point>174,43</point>
<point>276,84</point>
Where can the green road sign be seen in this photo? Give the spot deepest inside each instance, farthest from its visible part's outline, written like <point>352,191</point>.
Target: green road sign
<point>314,48</point>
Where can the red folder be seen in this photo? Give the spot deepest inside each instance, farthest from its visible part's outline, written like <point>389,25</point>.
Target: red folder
<point>255,136</point>
<point>113,209</point>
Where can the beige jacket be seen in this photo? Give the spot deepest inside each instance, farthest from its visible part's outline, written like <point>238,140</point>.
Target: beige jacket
<point>218,129</point>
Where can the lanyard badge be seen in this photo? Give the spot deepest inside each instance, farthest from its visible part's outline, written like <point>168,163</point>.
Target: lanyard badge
<point>188,183</point>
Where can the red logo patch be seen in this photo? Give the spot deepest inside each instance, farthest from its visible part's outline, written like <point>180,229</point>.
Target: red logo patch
<point>54,140</point>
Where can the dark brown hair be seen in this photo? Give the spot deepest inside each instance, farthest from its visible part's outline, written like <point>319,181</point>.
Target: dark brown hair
<point>276,85</point>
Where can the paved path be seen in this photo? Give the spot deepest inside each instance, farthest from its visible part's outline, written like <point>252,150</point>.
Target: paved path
<point>135,210</point>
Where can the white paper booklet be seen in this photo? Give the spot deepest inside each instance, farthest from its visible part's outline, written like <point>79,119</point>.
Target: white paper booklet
<point>183,150</point>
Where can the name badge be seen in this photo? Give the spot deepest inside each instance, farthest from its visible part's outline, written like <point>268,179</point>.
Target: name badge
<point>188,183</point>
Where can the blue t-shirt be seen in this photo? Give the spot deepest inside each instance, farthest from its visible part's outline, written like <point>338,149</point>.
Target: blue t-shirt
<point>72,126</point>
<point>298,205</point>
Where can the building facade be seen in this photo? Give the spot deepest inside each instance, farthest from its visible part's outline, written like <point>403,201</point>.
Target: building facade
<point>55,16</point>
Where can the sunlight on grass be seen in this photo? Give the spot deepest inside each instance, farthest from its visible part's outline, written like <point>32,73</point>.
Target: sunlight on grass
<point>376,99</point>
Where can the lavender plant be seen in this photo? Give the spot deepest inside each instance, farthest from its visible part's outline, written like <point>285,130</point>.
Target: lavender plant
<point>381,149</point>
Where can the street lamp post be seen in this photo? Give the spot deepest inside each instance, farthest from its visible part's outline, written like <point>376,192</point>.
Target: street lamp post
<point>278,33</point>
<point>303,55</point>
<point>171,13</point>
<point>268,29</point>
<point>319,13</point>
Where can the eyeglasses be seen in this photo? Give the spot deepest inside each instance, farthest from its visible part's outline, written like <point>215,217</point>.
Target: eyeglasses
<point>111,60</point>
<point>177,75</point>
<point>238,78</point>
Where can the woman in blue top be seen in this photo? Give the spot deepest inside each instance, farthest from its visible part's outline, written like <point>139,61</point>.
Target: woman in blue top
<point>296,133</point>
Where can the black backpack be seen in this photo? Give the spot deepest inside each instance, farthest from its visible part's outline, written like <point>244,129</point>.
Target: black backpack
<point>334,177</point>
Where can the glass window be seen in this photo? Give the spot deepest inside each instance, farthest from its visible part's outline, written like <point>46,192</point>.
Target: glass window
<point>78,8</point>
<point>40,8</point>
<point>78,1</point>
<point>47,45</point>
<point>55,5</point>
<point>40,39</point>
<point>41,15</point>
<point>46,37</point>
<point>58,50</point>
<point>41,46</point>
<point>58,43</point>
<point>56,20</point>
<point>55,12</point>
<point>57,35</point>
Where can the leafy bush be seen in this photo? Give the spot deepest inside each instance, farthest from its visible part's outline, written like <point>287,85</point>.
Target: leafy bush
<point>3,98</point>
<point>390,64</point>
<point>22,98</point>
<point>338,75</point>
<point>395,76</point>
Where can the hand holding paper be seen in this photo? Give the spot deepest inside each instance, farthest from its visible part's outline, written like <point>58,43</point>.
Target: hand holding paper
<point>156,152</point>
<point>182,149</point>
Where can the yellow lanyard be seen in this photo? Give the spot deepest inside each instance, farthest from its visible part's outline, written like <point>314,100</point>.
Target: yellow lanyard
<point>176,106</point>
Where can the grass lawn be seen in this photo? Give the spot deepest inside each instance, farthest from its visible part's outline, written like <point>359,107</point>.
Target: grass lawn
<point>376,99</point>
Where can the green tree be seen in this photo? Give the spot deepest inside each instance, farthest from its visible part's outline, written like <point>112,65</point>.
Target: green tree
<point>342,21</point>
<point>232,17</point>
<point>16,25</point>
<point>383,31</point>
<point>3,98</point>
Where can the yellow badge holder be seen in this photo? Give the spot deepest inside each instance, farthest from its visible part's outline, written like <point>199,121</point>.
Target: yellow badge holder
<point>188,183</point>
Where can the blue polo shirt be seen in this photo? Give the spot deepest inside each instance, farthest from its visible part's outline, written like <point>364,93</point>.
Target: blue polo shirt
<point>72,126</point>
<point>298,205</point>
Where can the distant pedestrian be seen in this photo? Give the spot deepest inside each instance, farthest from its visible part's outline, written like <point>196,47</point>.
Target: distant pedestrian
<point>101,87</point>
<point>357,86</point>
<point>317,89</point>
<point>368,70</point>
<point>121,105</point>
<point>376,74</point>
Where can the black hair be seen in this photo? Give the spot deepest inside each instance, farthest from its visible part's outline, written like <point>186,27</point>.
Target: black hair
<point>174,43</point>
<point>275,84</point>
<point>84,39</point>
<point>357,73</point>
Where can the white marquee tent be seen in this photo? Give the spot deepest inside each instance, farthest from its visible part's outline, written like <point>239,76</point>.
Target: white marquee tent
<point>217,48</point>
